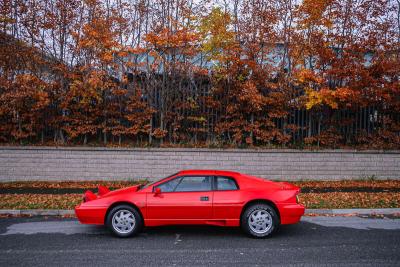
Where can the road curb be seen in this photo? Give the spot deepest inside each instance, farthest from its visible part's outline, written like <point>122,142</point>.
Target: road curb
<point>37,212</point>
<point>352,211</point>
<point>45,212</point>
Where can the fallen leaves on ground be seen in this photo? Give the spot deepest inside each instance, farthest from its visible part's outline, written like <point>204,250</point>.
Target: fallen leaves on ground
<point>337,200</point>
<point>70,184</point>
<point>345,200</point>
<point>310,200</point>
<point>39,201</point>
<point>349,183</point>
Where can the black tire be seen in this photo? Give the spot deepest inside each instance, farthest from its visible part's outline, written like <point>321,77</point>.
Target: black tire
<point>132,213</point>
<point>267,214</point>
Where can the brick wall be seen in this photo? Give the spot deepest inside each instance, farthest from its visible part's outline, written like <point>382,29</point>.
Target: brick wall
<point>47,163</point>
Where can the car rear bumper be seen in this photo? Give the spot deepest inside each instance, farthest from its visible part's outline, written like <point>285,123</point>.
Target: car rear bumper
<point>90,215</point>
<point>291,213</point>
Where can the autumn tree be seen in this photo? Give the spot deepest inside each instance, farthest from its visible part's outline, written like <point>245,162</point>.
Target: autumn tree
<point>173,45</point>
<point>222,73</point>
<point>341,44</point>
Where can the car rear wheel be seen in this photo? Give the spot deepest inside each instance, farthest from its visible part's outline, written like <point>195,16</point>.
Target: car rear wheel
<point>124,221</point>
<point>260,220</point>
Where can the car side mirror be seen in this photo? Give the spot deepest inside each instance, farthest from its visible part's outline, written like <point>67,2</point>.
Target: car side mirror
<point>157,191</point>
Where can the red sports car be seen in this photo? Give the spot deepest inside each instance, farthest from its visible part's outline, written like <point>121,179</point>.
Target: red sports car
<point>221,198</point>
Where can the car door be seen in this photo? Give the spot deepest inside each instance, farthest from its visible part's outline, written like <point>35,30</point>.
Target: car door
<point>181,199</point>
<point>227,199</point>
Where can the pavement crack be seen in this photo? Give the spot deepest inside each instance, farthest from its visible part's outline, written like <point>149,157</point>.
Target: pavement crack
<point>177,239</point>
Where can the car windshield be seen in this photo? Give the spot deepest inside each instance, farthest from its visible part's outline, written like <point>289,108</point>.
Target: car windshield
<point>150,184</point>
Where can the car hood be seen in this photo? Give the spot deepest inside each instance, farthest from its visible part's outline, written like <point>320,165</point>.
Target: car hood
<point>129,189</point>
<point>104,192</point>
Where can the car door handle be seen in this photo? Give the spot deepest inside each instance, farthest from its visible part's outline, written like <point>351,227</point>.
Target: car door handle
<point>204,199</point>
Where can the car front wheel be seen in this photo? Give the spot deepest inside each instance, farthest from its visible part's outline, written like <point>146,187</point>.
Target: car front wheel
<point>124,221</point>
<point>260,220</point>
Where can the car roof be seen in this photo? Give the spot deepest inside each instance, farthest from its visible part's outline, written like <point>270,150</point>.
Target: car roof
<point>209,172</point>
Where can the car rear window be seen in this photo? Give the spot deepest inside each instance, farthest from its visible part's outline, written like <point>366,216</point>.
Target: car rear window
<point>226,183</point>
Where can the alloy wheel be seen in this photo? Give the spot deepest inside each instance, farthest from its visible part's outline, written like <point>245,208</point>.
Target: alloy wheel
<point>123,221</point>
<point>260,221</point>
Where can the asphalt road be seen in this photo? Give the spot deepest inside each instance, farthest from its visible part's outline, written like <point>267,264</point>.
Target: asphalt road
<point>328,241</point>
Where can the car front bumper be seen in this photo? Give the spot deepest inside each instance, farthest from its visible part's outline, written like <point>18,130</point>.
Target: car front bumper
<point>90,215</point>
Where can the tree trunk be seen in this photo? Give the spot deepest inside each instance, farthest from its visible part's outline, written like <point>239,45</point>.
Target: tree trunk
<point>61,134</point>
<point>150,131</point>
<point>162,126</point>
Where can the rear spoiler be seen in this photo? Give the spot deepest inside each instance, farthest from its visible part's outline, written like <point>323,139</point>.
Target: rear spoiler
<point>289,186</point>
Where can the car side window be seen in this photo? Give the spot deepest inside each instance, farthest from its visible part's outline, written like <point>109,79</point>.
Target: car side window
<point>194,183</point>
<point>226,183</point>
<point>170,185</point>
